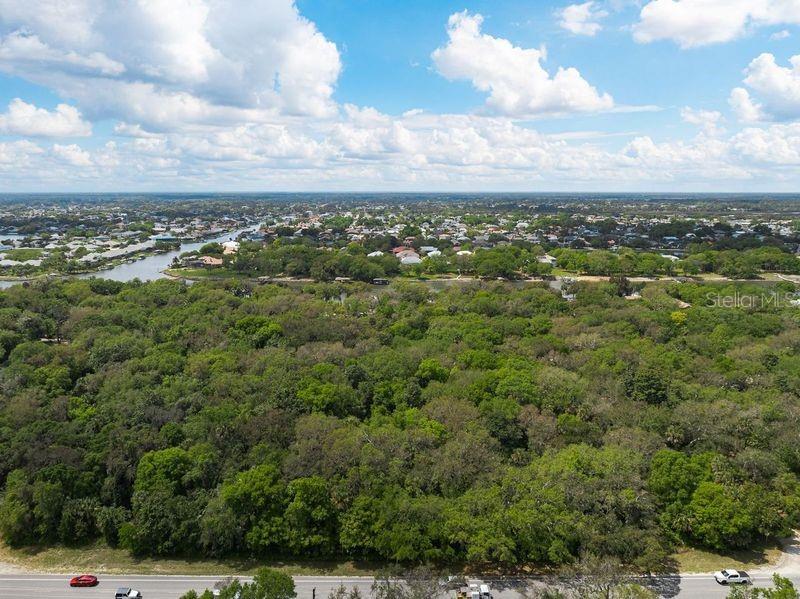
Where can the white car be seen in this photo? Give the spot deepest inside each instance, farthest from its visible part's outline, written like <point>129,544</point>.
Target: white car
<point>729,576</point>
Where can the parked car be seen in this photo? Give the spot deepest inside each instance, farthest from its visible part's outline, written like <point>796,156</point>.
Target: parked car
<point>127,593</point>
<point>84,580</point>
<point>729,576</point>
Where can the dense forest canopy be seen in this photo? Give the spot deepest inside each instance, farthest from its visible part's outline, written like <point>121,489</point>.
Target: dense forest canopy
<point>483,423</point>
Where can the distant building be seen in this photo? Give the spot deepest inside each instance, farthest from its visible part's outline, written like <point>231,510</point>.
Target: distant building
<point>203,262</point>
<point>166,237</point>
<point>230,247</point>
<point>409,259</point>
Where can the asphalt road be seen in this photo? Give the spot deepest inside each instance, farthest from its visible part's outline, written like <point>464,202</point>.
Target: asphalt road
<point>45,586</point>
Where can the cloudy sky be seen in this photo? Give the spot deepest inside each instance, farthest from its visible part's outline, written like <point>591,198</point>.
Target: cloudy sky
<point>251,95</point>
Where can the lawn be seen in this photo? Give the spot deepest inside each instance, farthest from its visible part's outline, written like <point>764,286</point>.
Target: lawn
<point>23,254</point>
<point>204,273</point>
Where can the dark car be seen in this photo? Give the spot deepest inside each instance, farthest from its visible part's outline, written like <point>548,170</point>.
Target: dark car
<point>84,580</point>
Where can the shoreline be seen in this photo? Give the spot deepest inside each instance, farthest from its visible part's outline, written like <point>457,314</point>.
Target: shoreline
<point>131,258</point>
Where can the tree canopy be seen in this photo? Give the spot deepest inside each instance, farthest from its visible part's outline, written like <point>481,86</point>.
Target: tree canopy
<point>490,423</point>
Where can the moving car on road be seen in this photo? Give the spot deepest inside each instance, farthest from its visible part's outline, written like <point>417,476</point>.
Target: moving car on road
<point>127,593</point>
<point>729,576</point>
<point>84,580</point>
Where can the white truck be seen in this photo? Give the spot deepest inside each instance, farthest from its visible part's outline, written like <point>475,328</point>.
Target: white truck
<point>475,591</point>
<point>127,593</point>
<point>731,576</point>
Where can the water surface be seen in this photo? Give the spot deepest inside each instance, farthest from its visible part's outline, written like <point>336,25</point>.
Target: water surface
<point>146,269</point>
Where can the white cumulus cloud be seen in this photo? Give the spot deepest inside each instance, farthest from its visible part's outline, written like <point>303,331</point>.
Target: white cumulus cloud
<point>24,54</point>
<point>778,144</point>
<point>709,121</point>
<point>691,23</point>
<point>514,77</point>
<point>744,107</point>
<point>582,19</point>
<point>367,149</point>
<point>777,87</point>
<point>15,154</point>
<point>165,63</point>
<point>26,119</point>
<point>72,154</point>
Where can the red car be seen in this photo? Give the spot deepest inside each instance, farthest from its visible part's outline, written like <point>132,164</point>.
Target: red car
<point>84,580</point>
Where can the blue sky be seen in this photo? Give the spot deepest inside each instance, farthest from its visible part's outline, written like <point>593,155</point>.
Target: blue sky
<point>387,45</point>
<point>379,95</point>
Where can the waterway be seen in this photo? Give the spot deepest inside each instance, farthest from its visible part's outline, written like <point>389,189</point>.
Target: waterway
<point>148,268</point>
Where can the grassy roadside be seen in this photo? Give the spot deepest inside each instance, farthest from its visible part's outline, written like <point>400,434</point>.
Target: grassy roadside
<point>100,558</point>
<point>691,560</point>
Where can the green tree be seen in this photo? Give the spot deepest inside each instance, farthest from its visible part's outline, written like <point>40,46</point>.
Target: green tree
<point>310,517</point>
<point>257,499</point>
<point>783,589</point>
<point>48,500</point>
<point>16,509</point>
<point>343,593</point>
<point>646,383</point>
<point>717,519</point>
<point>163,471</point>
<point>269,584</point>
<point>78,521</point>
<point>430,369</point>
<point>109,521</point>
